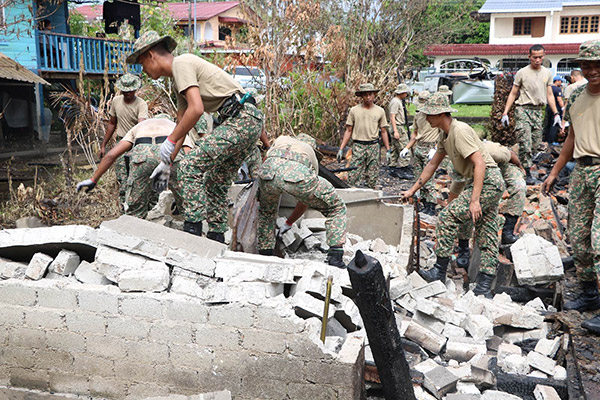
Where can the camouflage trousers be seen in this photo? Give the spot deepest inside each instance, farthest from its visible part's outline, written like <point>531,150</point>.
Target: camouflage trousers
<point>529,125</point>
<point>254,161</point>
<point>216,159</point>
<point>299,180</point>
<point>122,172</point>
<point>421,153</point>
<point>140,198</point>
<point>584,220</point>
<point>514,181</point>
<point>396,145</point>
<point>486,228</point>
<point>365,157</point>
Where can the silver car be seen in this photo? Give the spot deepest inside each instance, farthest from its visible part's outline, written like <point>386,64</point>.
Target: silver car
<point>250,77</point>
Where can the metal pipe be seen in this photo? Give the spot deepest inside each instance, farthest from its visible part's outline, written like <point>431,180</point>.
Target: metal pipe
<point>326,310</point>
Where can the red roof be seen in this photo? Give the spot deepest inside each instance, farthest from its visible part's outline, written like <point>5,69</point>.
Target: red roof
<point>497,49</point>
<point>179,11</point>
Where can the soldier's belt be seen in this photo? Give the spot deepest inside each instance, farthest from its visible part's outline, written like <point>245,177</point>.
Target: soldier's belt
<point>532,106</point>
<point>150,140</point>
<point>426,144</point>
<point>588,160</point>
<point>290,155</point>
<point>366,141</point>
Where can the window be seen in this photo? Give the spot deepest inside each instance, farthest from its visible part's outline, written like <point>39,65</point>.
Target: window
<point>522,26</point>
<point>579,24</point>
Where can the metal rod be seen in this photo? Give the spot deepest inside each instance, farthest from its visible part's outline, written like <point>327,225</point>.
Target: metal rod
<point>326,310</point>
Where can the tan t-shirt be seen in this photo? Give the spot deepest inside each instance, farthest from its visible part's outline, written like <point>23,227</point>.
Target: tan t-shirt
<point>127,115</point>
<point>425,132</point>
<point>533,85</point>
<point>500,154</point>
<point>583,112</point>
<point>395,107</point>
<point>572,87</point>
<point>461,142</point>
<point>152,128</point>
<point>215,85</point>
<point>297,146</point>
<point>366,123</point>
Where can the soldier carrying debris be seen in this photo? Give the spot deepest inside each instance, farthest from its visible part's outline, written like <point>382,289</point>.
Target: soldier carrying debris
<point>399,136</point>
<point>533,87</point>
<point>126,110</point>
<point>424,138</point>
<point>364,124</point>
<point>478,202</point>
<point>583,144</point>
<point>204,87</point>
<point>291,167</point>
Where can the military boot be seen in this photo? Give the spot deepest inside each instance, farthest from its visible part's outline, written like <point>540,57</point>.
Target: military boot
<point>528,178</point>
<point>195,228</point>
<point>216,236</point>
<point>438,272</point>
<point>588,300</point>
<point>428,208</point>
<point>335,257</point>
<point>266,252</point>
<point>592,324</point>
<point>464,254</point>
<point>484,285</point>
<point>508,235</point>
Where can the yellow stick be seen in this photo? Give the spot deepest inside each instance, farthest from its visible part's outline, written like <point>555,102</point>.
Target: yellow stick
<point>326,310</point>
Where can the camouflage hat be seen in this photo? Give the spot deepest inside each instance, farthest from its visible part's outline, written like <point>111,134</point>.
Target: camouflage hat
<point>423,96</point>
<point>128,83</point>
<point>164,116</point>
<point>436,104</point>
<point>366,88</point>
<point>309,140</point>
<point>589,51</point>
<point>445,90</point>
<point>402,88</point>
<point>147,41</point>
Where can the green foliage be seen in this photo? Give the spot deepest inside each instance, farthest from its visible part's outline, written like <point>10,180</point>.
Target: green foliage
<point>79,26</point>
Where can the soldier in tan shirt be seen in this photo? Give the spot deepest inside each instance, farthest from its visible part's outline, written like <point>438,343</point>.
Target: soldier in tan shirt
<point>398,132</point>
<point>126,110</point>
<point>366,121</point>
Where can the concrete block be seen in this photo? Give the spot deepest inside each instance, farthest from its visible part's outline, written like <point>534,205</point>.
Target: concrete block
<point>536,260</point>
<point>112,262</point>
<point>498,395</point>
<point>17,294</point>
<point>560,373</point>
<point>38,266</point>
<point>288,238</point>
<point>425,337</point>
<point>307,306</point>
<point>399,287</point>
<point>469,304</point>
<point>312,242</point>
<point>541,362</point>
<point>65,263</point>
<point>407,302</point>
<point>86,273</point>
<point>379,246</point>
<point>463,396</point>
<point>314,224</point>
<point>453,331</point>
<point>548,347</point>
<point>507,349</point>
<point>537,304</point>
<point>154,277</point>
<point>233,315</point>
<point>479,327</point>
<point>141,306</point>
<point>421,394</point>
<point>537,374</point>
<point>431,289</point>
<point>234,266</point>
<point>439,311</point>
<point>429,322</point>
<point>426,366</point>
<point>515,364</point>
<point>99,299</point>
<point>512,314</point>
<point>12,270</point>
<point>467,388</point>
<point>159,243</point>
<point>464,349</point>
<point>542,392</point>
<point>439,381</point>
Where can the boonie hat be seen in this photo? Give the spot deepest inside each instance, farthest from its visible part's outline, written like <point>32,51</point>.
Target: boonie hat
<point>437,104</point>
<point>557,78</point>
<point>146,41</point>
<point>366,88</point>
<point>128,83</point>
<point>423,96</point>
<point>402,88</point>
<point>589,51</point>
<point>445,90</point>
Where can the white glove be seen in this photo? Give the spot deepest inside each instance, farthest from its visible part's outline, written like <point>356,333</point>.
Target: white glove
<point>88,183</point>
<point>166,149</point>
<point>404,152</point>
<point>160,177</point>
<point>284,228</point>
<point>431,154</point>
<point>505,121</point>
<point>557,120</point>
<point>388,156</point>
<point>340,155</point>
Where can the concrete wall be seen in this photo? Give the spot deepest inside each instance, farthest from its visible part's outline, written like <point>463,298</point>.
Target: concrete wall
<point>90,340</point>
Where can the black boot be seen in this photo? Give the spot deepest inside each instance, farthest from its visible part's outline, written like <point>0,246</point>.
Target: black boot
<point>464,255</point>
<point>438,272</point>
<point>588,300</point>
<point>335,257</point>
<point>428,208</point>
<point>217,236</point>
<point>528,178</point>
<point>592,324</point>
<point>266,252</point>
<point>508,235</point>
<point>195,228</point>
<point>484,285</point>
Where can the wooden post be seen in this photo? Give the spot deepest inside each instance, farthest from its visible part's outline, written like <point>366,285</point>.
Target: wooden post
<point>377,312</point>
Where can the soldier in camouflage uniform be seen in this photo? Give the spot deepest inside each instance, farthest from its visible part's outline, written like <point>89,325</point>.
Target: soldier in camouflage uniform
<point>423,141</point>
<point>397,115</point>
<point>582,144</point>
<point>204,87</point>
<point>364,124</point>
<point>254,160</point>
<point>478,201</point>
<point>291,167</point>
<point>532,90</point>
<point>143,141</point>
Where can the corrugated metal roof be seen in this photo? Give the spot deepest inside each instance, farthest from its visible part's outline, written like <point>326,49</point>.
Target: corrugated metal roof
<point>506,6</point>
<point>10,69</point>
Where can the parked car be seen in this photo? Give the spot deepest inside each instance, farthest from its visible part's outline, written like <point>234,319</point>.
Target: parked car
<point>249,77</point>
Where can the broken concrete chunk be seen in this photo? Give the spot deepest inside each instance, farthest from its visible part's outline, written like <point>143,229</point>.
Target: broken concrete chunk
<point>65,263</point>
<point>10,269</point>
<point>38,266</point>
<point>154,277</point>
<point>560,373</point>
<point>479,327</point>
<point>307,306</point>
<point>467,388</point>
<point>407,302</point>
<point>541,362</point>
<point>507,349</point>
<point>537,374</point>
<point>426,366</point>
<point>429,322</point>
<point>312,242</point>
<point>314,224</point>
<point>464,349</point>
<point>536,260</point>
<point>542,392</point>
<point>537,304</point>
<point>453,331</point>
<point>379,246</point>
<point>463,396</point>
<point>425,337</point>
<point>415,280</point>
<point>431,289</point>
<point>86,273</point>
<point>498,395</point>
<point>439,381</point>
<point>439,311</point>
<point>348,314</point>
<point>515,364</point>
<point>112,262</point>
<point>548,347</point>
<point>398,287</point>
